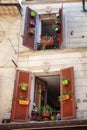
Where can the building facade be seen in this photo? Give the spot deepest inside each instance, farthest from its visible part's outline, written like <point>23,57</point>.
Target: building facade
<point>46,66</point>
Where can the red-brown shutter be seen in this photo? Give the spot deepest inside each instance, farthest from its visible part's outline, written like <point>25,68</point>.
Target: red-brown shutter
<point>28,38</point>
<point>61,27</point>
<point>68,107</point>
<point>21,112</point>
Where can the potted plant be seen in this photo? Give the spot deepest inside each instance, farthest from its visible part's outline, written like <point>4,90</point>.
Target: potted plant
<point>23,100</point>
<point>45,111</point>
<point>65,96</point>
<point>23,86</point>
<point>33,13</point>
<point>65,81</point>
<point>31,30</point>
<point>47,40</point>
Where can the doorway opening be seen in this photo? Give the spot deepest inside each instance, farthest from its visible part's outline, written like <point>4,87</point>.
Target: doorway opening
<point>47,90</point>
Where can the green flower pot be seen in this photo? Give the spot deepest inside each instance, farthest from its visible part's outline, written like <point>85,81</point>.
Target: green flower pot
<point>33,14</point>
<point>65,81</point>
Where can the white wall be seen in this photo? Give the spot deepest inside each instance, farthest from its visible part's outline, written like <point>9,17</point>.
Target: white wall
<point>9,42</point>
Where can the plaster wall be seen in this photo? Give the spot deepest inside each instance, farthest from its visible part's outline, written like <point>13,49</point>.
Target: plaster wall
<point>11,48</point>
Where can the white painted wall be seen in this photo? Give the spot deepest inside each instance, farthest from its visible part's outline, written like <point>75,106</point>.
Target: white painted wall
<point>11,29</point>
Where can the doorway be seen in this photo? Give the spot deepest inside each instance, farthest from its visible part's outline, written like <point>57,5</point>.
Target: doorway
<point>20,112</point>
<point>47,91</point>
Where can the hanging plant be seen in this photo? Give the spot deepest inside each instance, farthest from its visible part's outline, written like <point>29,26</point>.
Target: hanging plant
<point>22,99</point>
<point>65,81</point>
<point>23,102</point>
<point>24,86</point>
<point>31,30</point>
<point>33,14</point>
<point>65,96</point>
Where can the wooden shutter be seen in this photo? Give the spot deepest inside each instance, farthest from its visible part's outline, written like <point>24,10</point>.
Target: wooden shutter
<point>20,111</point>
<point>28,39</point>
<point>68,107</point>
<point>61,27</point>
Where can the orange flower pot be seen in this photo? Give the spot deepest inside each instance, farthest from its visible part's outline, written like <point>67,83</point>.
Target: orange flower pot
<point>23,102</point>
<point>66,97</point>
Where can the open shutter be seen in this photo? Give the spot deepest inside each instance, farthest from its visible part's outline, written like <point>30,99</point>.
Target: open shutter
<point>20,112</point>
<point>68,106</point>
<point>61,27</point>
<point>28,38</point>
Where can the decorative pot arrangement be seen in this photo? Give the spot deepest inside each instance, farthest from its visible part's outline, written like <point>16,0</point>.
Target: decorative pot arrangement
<point>22,99</point>
<point>66,95</point>
<point>23,102</point>
<point>32,23</point>
<point>45,111</point>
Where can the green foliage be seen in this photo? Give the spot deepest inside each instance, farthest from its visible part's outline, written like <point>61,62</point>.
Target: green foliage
<point>65,93</point>
<point>47,108</point>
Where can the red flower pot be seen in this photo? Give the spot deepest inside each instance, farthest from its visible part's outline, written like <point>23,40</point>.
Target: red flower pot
<point>49,42</point>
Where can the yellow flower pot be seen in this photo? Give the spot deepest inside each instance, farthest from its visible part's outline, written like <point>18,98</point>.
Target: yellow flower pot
<point>23,102</point>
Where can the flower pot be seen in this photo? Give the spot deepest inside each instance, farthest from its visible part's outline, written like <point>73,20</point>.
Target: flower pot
<point>23,102</point>
<point>65,81</point>
<point>45,113</point>
<point>32,23</point>
<point>33,14</point>
<point>31,30</point>
<point>49,42</point>
<point>65,97</point>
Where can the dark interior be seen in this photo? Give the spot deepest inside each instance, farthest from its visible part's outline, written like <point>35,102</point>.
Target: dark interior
<point>53,90</point>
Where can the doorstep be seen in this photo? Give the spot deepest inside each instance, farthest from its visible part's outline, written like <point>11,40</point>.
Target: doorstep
<point>45,124</point>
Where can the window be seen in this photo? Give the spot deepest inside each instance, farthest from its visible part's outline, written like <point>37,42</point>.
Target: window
<point>51,30</point>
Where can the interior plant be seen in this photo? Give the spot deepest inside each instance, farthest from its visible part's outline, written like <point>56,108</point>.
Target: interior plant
<point>47,40</point>
<point>33,13</point>
<point>65,96</point>
<point>23,86</point>
<point>45,111</point>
